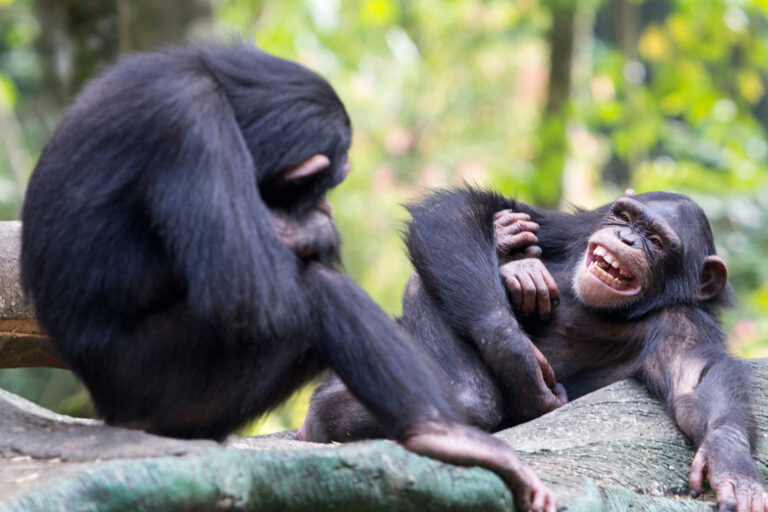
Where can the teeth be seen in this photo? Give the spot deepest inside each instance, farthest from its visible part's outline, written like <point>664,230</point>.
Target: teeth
<point>602,274</point>
<point>609,260</point>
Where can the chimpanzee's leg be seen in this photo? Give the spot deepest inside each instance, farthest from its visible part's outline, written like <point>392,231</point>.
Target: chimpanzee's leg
<point>401,385</point>
<point>451,242</point>
<point>470,380</point>
<point>335,415</point>
<point>195,382</point>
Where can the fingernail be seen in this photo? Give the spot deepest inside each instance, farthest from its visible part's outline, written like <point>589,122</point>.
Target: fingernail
<point>694,493</point>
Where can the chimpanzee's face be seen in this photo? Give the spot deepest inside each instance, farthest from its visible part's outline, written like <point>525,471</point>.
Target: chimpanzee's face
<point>622,257</point>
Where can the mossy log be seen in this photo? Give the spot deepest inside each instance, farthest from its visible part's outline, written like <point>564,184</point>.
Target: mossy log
<point>614,449</point>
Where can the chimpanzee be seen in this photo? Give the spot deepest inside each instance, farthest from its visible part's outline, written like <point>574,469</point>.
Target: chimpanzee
<point>639,287</point>
<point>180,253</point>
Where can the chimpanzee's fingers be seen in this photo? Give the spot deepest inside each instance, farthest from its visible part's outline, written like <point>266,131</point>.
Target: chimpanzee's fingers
<point>696,479</point>
<point>743,498</point>
<point>560,393</point>
<point>546,370</point>
<point>542,294</point>
<point>539,501</point>
<point>756,505</point>
<point>726,497</point>
<point>516,292</point>
<point>525,487</point>
<point>543,500</point>
<point>514,289</point>
<point>505,217</point>
<point>554,291</point>
<point>506,243</point>
<point>520,226</point>
<point>765,502</point>
<point>551,503</point>
<point>529,293</point>
<point>757,497</point>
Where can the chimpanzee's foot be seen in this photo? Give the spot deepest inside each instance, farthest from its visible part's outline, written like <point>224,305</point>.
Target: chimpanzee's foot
<point>459,444</point>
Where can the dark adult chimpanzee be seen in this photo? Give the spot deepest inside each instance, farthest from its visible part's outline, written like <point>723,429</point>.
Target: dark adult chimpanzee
<point>178,253</point>
<point>638,286</point>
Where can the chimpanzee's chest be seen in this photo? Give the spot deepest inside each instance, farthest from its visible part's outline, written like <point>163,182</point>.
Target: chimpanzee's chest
<point>586,350</point>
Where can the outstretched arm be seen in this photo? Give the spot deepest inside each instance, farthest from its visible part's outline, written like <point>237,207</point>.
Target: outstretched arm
<point>452,245</point>
<point>708,394</point>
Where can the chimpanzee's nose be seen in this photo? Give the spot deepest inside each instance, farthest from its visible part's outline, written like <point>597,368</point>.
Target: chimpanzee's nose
<point>627,236</point>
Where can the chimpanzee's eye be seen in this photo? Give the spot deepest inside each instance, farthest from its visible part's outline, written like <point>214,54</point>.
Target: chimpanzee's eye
<point>624,216</point>
<point>656,241</point>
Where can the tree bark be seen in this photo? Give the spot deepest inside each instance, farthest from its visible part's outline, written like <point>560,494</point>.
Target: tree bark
<point>612,450</point>
<point>552,137</point>
<point>78,37</point>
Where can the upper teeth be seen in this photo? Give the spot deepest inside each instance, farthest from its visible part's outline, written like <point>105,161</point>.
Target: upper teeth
<point>609,258</point>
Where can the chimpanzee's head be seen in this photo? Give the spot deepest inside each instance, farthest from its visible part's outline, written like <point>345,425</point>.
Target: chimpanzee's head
<point>651,250</point>
<point>293,123</point>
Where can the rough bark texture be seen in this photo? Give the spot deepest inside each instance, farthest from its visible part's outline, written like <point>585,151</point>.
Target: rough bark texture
<point>612,450</point>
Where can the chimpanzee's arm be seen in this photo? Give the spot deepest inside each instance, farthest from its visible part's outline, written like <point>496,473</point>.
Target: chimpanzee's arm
<point>200,195</point>
<point>387,371</point>
<point>451,244</point>
<point>708,394</point>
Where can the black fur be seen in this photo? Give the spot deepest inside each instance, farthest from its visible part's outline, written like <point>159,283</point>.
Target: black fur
<point>153,264</point>
<point>457,306</point>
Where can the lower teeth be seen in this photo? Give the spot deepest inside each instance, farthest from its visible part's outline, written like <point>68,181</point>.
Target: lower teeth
<point>605,276</point>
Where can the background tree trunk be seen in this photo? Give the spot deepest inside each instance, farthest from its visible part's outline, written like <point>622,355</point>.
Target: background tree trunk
<point>77,37</point>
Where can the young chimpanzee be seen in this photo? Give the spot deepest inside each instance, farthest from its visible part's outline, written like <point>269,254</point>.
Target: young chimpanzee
<point>638,286</point>
<point>180,253</point>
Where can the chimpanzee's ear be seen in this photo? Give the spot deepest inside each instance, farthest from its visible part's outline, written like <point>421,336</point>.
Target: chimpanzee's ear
<point>309,167</point>
<point>714,277</point>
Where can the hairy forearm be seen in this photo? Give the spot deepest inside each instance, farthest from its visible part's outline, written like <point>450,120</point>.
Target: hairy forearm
<point>720,400</point>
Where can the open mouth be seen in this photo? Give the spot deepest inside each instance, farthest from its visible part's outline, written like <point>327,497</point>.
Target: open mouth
<point>606,267</point>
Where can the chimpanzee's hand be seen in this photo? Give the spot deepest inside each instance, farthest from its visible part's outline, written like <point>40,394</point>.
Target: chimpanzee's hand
<point>549,377</point>
<point>312,234</point>
<point>725,460</point>
<point>515,235</point>
<point>539,396</point>
<point>532,391</point>
<point>531,287</point>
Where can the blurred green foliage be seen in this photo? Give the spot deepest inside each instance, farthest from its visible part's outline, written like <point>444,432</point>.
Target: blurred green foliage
<point>658,95</point>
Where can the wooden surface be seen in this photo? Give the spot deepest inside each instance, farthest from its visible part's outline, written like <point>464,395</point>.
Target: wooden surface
<point>22,343</point>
